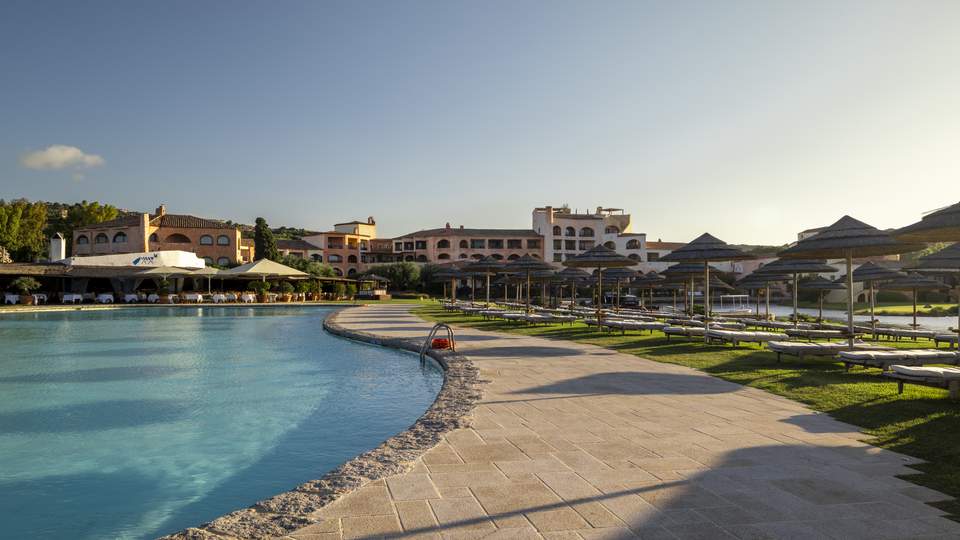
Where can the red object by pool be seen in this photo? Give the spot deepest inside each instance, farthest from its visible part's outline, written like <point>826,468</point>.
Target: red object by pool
<point>440,343</point>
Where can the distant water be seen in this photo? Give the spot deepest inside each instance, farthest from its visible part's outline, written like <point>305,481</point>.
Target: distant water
<point>136,423</point>
<point>931,323</point>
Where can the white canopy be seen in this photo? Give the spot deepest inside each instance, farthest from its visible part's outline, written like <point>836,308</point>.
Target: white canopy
<point>264,268</point>
<point>177,259</point>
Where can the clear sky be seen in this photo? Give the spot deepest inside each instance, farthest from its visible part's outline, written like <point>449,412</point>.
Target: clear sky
<point>750,120</point>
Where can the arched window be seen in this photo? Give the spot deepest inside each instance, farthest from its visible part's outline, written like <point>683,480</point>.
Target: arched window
<point>352,259</point>
<point>82,240</point>
<point>570,232</point>
<point>223,261</point>
<point>177,238</point>
<point>463,256</point>
<point>338,272</point>
<point>223,240</point>
<point>317,257</point>
<point>497,256</point>
<point>334,258</point>
<point>513,257</point>
<point>477,256</point>
<point>352,272</point>
<point>206,240</point>
<point>120,238</point>
<point>101,239</point>
<point>154,237</point>
<point>612,229</point>
<point>464,244</point>
<point>633,256</point>
<point>421,258</point>
<point>443,244</point>
<point>610,245</point>
<point>557,231</point>
<point>587,232</point>
<point>633,244</point>
<point>534,255</point>
<point>443,256</point>
<point>208,260</point>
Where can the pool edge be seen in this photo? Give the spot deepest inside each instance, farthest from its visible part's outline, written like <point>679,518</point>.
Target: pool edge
<point>289,511</point>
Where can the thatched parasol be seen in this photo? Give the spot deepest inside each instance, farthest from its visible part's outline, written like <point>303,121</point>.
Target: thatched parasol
<point>617,275</point>
<point>664,285</point>
<point>757,281</point>
<point>524,266</point>
<point>870,273</point>
<point>795,267</point>
<point>573,276</point>
<point>942,225</point>
<point>599,257</point>
<point>544,277</point>
<point>686,272</point>
<point>846,239</point>
<point>706,249</point>
<point>913,282</point>
<point>647,282</point>
<point>451,274</point>
<point>821,285</point>
<point>486,266</point>
<point>945,260</point>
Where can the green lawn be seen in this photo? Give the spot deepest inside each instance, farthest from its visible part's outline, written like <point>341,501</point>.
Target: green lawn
<point>922,422</point>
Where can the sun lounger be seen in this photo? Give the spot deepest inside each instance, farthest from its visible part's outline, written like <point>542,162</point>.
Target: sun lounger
<point>811,333</point>
<point>883,359</point>
<point>624,325</point>
<point>807,348</point>
<point>950,339</point>
<point>736,337</point>
<point>900,333</point>
<point>936,377</point>
<point>685,331</point>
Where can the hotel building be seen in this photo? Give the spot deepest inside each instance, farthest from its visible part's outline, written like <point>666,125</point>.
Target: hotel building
<point>346,247</point>
<point>451,244</point>
<point>567,233</point>
<point>216,242</point>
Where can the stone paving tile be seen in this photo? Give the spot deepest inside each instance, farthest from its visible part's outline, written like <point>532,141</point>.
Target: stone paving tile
<point>574,442</point>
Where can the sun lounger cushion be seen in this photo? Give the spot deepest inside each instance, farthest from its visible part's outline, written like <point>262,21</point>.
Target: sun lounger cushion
<point>946,373</point>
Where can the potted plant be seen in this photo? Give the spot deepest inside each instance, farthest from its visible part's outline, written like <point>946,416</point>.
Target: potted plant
<point>286,291</point>
<point>26,286</point>
<point>261,288</point>
<point>163,290</point>
<point>305,289</point>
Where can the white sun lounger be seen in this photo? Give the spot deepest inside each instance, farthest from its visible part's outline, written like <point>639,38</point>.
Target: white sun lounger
<point>624,325</point>
<point>884,359</point>
<point>936,377</point>
<point>808,348</point>
<point>950,339</point>
<point>685,331</point>
<point>736,337</point>
<point>811,333</point>
<point>900,333</point>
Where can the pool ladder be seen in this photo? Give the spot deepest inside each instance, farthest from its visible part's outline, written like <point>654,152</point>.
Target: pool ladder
<point>433,333</point>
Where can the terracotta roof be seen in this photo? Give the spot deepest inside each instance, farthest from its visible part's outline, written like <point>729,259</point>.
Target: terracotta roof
<point>456,231</point>
<point>188,222</point>
<point>664,245</point>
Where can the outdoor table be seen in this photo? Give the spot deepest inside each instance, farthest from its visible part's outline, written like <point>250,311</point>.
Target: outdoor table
<point>105,298</point>
<point>131,298</point>
<point>193,297</point>
<point>231,297</point>
<point>218,298</point>
<point>153,298</point>
<point>72,298</point>
<point>174,298</point>
<point>39,298</point>
<point>248,298</point>
<point>10,298</point>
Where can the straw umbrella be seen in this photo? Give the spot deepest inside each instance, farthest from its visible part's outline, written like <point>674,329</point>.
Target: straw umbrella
<point>706,249</point>
<point>795,267</point>
<point>544,277</point>
<point>524,266</point>
<point>912,282</point>
<point>486,266</point>
<point>573,276</point>
<point>821,285</point>
<point>762,281</point>
<point>846,239</point>
<point>942,225</point>
<point>663,285</point>
<point>646,282</point>
<point>617,275</point>
<point>686,272</point>
<point>945,260</point>
<point>451,274</point>
<point>599,257</point>
<point>870,273</point>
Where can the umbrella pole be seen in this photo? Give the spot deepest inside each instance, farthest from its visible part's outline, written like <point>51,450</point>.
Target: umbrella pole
<point>487,274</point>
<point>674,299</point>
<point>914,308</point>
<point>690,298</point>
<point>766,299</point>
<point>796,280</point>
<point>850,297</point>
<point>528,291</point>
<point>820,314</point>
<point>706,301</point>
<point>599,294</point>
<point>618,296</point>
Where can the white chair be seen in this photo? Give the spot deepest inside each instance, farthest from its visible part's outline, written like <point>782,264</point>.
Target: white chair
<point>105,298</point>
<point>10,298</point>
<point>72,298</point>
<point>130,298</point>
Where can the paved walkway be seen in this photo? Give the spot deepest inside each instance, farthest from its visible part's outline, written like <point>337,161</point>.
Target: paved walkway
<point>574,441</point>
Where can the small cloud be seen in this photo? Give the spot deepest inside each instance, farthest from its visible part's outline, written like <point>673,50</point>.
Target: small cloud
<point>59,156</point>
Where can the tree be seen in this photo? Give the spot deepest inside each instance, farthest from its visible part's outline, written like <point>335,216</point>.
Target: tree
<point>22,225</point>
<point>403,276</point>
<point>305,265</point>
<point>65,218</point>
<point>264,244</point>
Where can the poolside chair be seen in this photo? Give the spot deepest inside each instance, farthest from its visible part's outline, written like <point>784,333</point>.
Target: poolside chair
<point>808,348</point>
<point>899,333</point>
<point>735,337</point>
<point>937,377</point>
<point>684,331</point>
<point>884,359</point>
<point>812,333</point>
<point>951,340</point>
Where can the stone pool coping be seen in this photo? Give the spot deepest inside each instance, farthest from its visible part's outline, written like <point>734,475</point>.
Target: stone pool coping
<point>290,511</point>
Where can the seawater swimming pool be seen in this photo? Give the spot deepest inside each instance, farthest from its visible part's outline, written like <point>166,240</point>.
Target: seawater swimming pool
<point>134,423</point>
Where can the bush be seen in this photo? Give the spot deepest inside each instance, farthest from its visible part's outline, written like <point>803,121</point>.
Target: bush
<point>25,285</point>
<point>339,289</point>
<point>259,287</point>
<point>286,287</point>
<point>306,286</point>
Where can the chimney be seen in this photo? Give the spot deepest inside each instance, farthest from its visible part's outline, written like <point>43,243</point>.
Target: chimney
<point>161,210</point>
<point>599,210</point>
<point>58,248</point>
<point>461,227</point>
<point>370,221</point>
<point>549,210</point>
<point>448,225</point>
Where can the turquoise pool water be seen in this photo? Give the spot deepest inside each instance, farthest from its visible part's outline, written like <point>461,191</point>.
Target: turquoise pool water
<point>137,423</point>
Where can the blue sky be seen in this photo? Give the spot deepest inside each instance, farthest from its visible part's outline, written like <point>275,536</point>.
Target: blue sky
<point>751,120</point>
